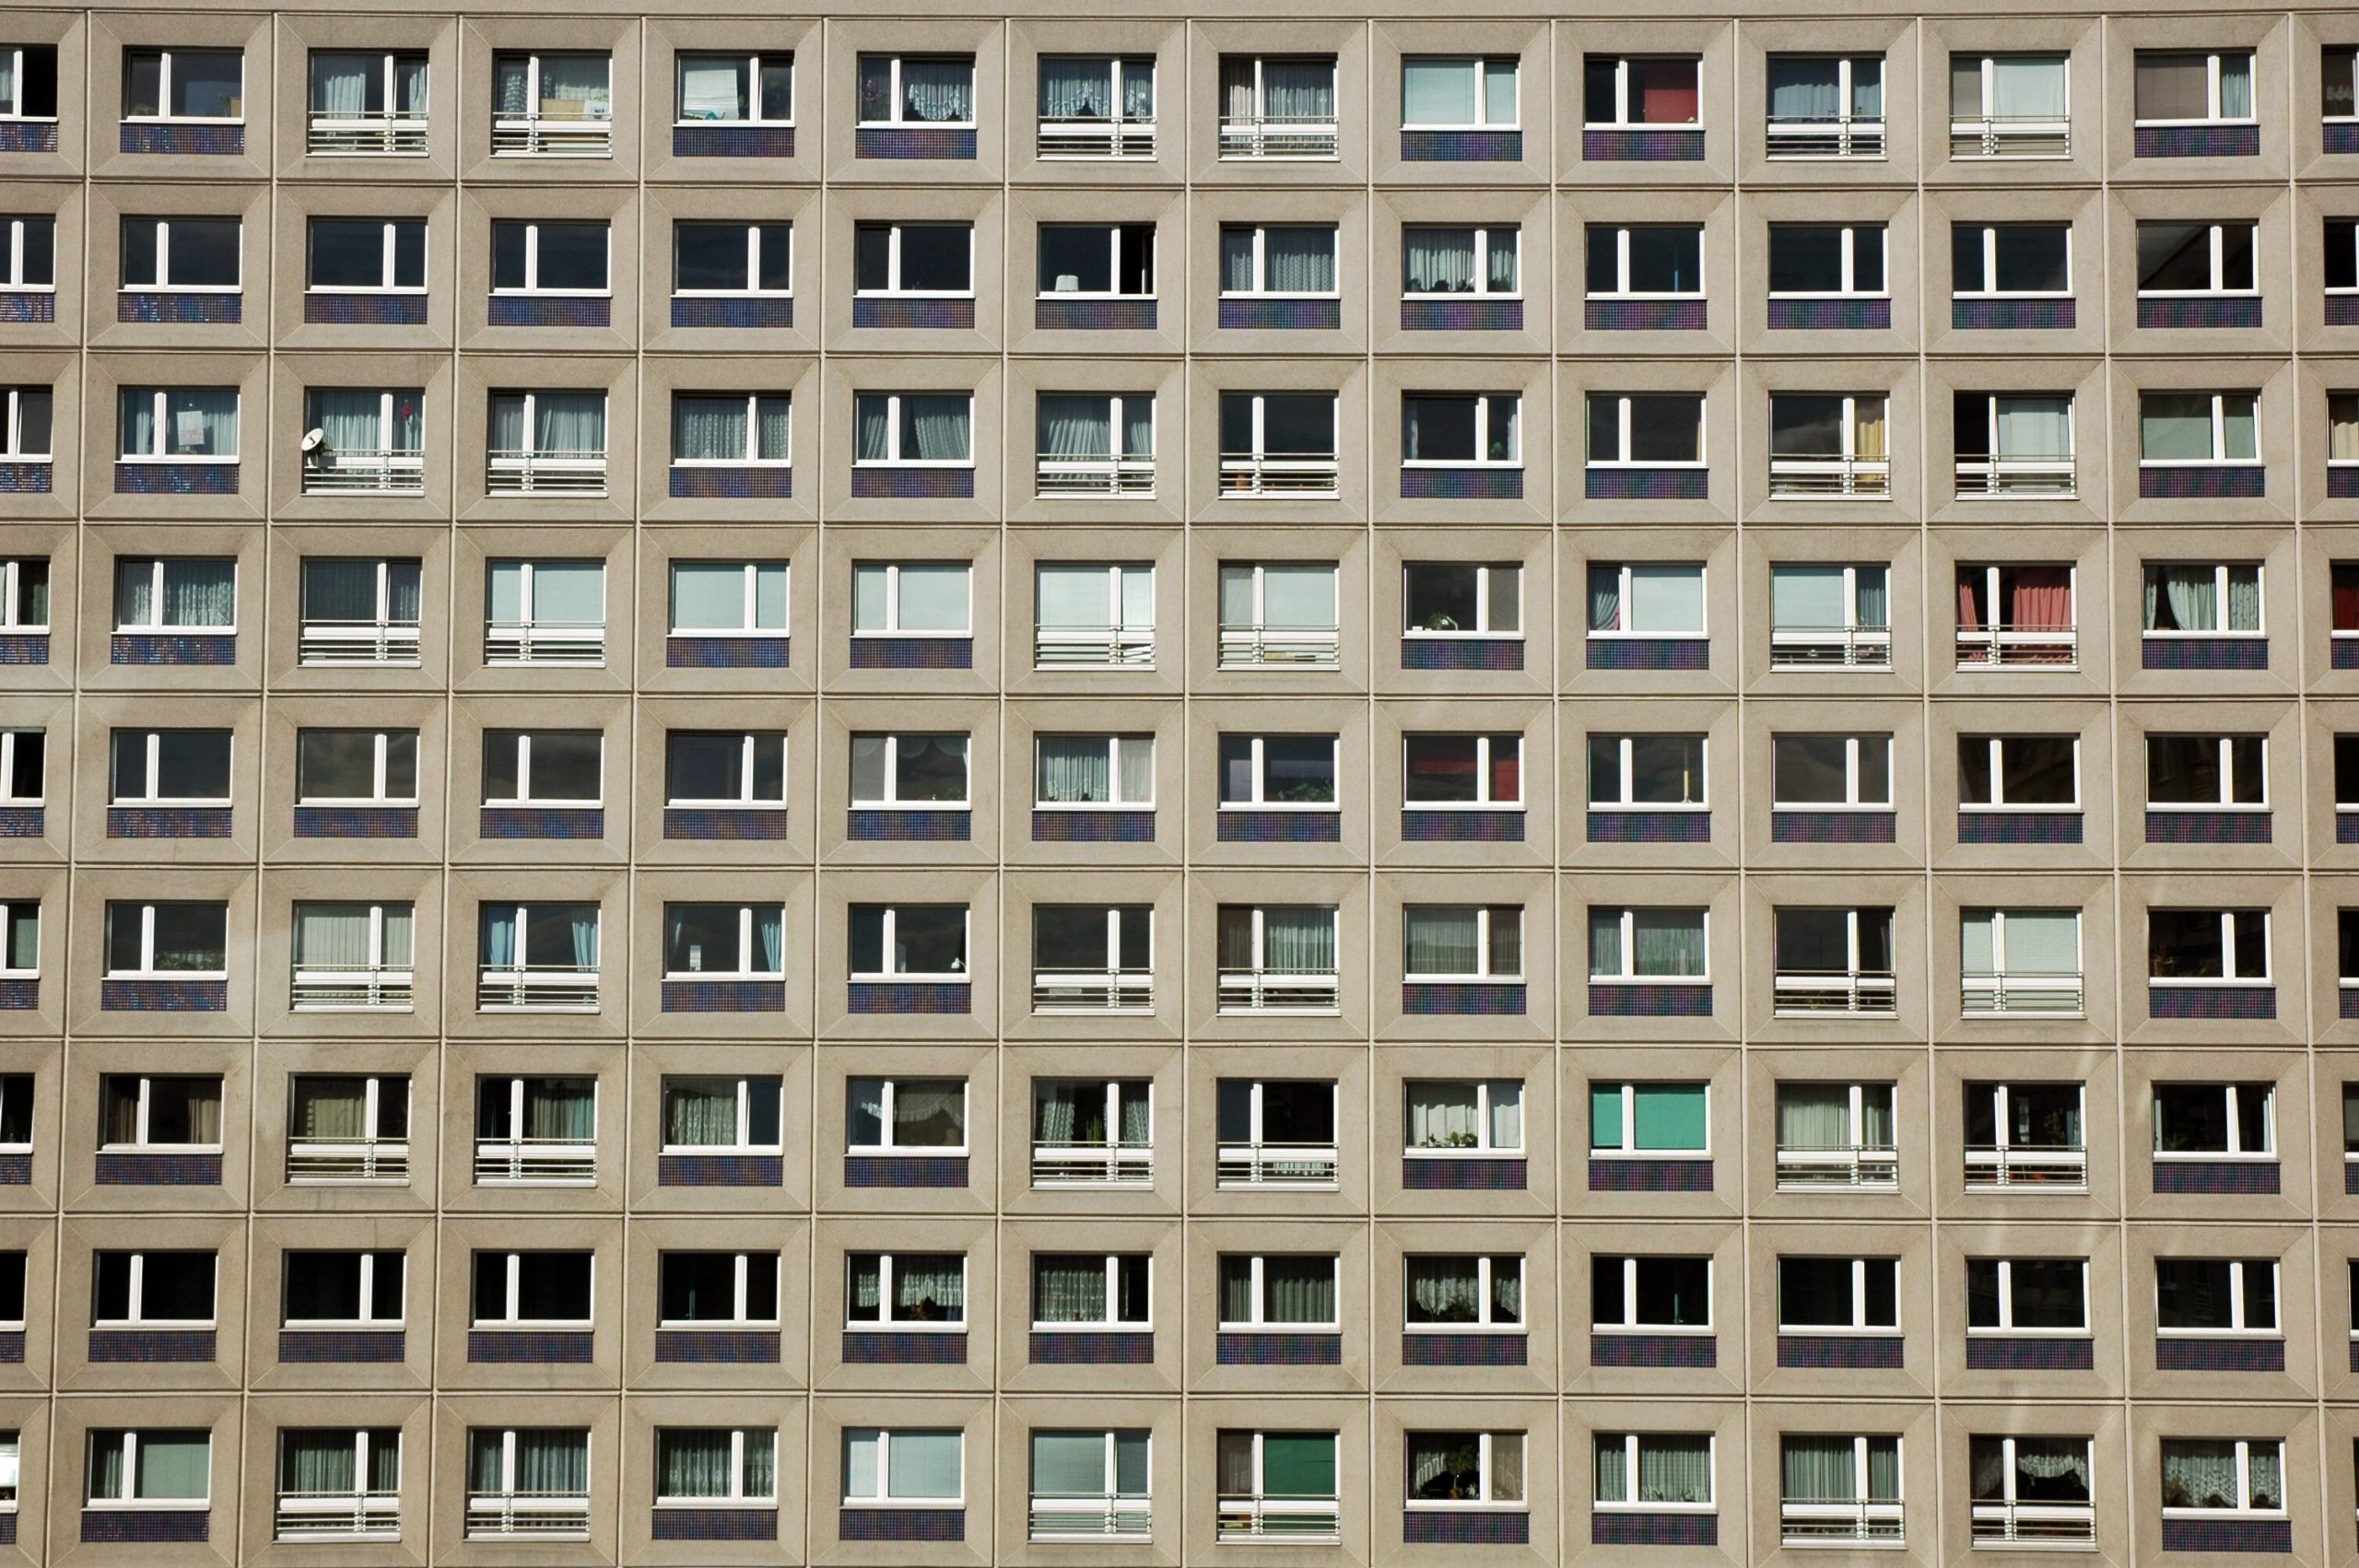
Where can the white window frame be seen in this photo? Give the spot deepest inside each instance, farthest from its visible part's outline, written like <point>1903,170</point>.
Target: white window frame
<point>2228,955</point>
<point>1486,916</point>
<point>1627,916</point>
<point>1628,1149</point>
<point>2220,574</point>
<point>496,1501</point>
<point>388,268</point>
<point>2235,1327</point>
<point>508,1318</point>
<point>894,289</point>
<point>752,289</point>
<point>2231,1094</point>
<point>1482,570</point>
<point>738,1497</point>
<point>753,573</point>
<point>747,951</point>
<point>525,796</point>
<point>2219,246</point>
<point>2212,72</point>
<point>150,794</point>
<point>1625,402</point>
<point>137,1316</point>
<point>163,283</point>
<point>1483,408</point>
<point>13,108</point>
<point>382,797</point>
<point>748,1085</point>
<point>1854,757</point>
<point>532,99</point>
<point>12,598</point>
<point>1989,119</point>
<point>2219,435</point>
<point>753,59</point>
<point>1484,66</point>
<point>1998,767</point>
<point>159,421</point>
<point>1484,745</point>
<point>13,241</point>
<point>1114,774</point>
<point>370,1315</point>
<point>882,1497</point>
<point>1262,289</point>
<point>891,800</point>
<point>1113,1293</point>
<point>2244,1508</point>
<point>130,1471</point>
<point>1846,280</point>
<point>1484,1442</point>
<point>1114,247</point>
<point>2226,746</point>
<point>745,1263</point>
<point>1625,748</point>
<point>147,1086</point>
<point>1858,1326</point>
<point>888,1091</point>
<point>1484,235</point>
<point>1487,1092</point>
<point>531,288</point>
<point>1622,290</point>
<point>1625,599</point>
<point>752,457</point>
<point>9,738</point>
<point>1989,233</point>
<point>885,1321</point>
<point>1621,120</point>
<point>1257,801</point>
<point>156,595</point>
<point>744,798</point>
<point>146,907</point>
<point>1485,1276</point>
<point>2007,1328</point>
<point>894,100</point>
<point>1630,1442</point>
<point>893,457</point>
<point>1632,1323</point>
<point>163,115</point>
<point>1261,1324</point>
<point>1995,1166</point>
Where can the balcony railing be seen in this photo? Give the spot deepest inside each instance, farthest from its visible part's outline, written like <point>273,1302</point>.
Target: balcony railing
<point>552,135</point>
<point>2052,647</point>
<point>1093,1165</point>
<point>1093,647</point>
<point>1814,1519</point>
<point>1092,990</point>
<point>1810,136</point>
<point>1820,648</point>
<point>1993,996</point>
<point>546,473</point>
<point>362,989</point>
<point>1794,475</point>
<point>1280,1519</point>
<point>2010,135</point>
<point>1081,137</point>
<point>1280,473</point>
<point>1317,647</point>
<point>347,1159</point>
<point>2034,1524</point>
<point>2051,475</point>
<point>1832,990</point>
<point>544,642</point>
<point>1278,990</point>
<point>343,135</point>
<point>546,1514</point>
<point>1094,475</point>
<point>1841,1165</point>
<point>1078,1516</point>
<point>1277,135</point>
<point>2053,1165</point>
<point>550,988</point>
<point>569,1161</point>
<point>358,642</point>
<point>387,472</point>
<point>337,1515</point>
<point>1275,1164</point>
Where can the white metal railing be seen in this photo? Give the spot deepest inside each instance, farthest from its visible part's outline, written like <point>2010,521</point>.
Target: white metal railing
<point>560,1515</point>
<point>2048,474</point>
<point>353,135</point>
<point>1795,474</point>
<point>546,473</point>
<point>1085,1516</point>
<point>1094,475</point>
<point>1278,990</point>
<point>1992,995</point>
<point>357,642</point>
<point>1084,137</point>
<point>2052,647</point>
<point>551,136</point>
<point>1812,1519</point>
<point>2010,135</point>
<point>357,988</point>
<point>1839,1165</point>
<point>567,988</point>
<point>2034,1524</point>
<point>1249,1518</point>
<point>1850,648</point>
<point>1317,647</point>
<point>1093,647</point>
<point>1810,136</point>
<point>388,472</point>
<point>1277,135</point>
<point>2058,1165</point>
<point>544,642</point>
<point>1277,1165</point>
<point>1092,990</point>
<point>1832,990</point>
<point>347,1159</point>
<point>1280,473</point>
<point>337,1515</point>
<point>571,1160</point>
<point>1093,1165</point>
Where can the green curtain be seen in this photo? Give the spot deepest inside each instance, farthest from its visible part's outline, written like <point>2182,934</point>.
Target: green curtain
<point>1068,1463</point>
<point>1611,1467</point>
<point>172,1465</point>
<point>317,1461</point>
<point>1670,1116</point>
<point>1820,1469</point>
<point>1299,1464</point>
<point>923,1465</point>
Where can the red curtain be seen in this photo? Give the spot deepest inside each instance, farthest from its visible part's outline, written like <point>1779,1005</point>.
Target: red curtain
<point>2042,599</point>
<point>2346,599</point>
<point>1969,604</point>
<point>1663,91</point>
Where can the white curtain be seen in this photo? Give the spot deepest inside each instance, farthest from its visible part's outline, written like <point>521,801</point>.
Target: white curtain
<point>340,83</point>
<point>937,90</point>
<point>570,425</point>
<point>2035,427</point>
<point>712,89</point>
<point>1076,86</point>
<point>1806,597</point>
<point>2027,88</point>
<point>1804,88</point>
<point>1076,426</point>
<point>1444,1115</point>
<point>1438,940</point>
<point>1814,1116</point>
<point>709,429</point>
<point>2174,428</point>
<point>1438,261</point>
<point>1299,937</point>
<point>1298,89</point>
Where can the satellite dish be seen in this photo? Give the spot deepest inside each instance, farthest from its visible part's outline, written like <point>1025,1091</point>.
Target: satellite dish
<point>314,439</point>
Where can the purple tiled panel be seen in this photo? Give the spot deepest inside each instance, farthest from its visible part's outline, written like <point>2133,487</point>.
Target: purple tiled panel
<point>1461,827</point>
<point>1279,828</point>
<point>539,1347</point>
<point>118,1345</point>
<point>26,479</point>
<point>1648,1000</point>
<point>886,1348</point>
<point>2019,827</point>
<point>1654,1350</point>
<point>1461,147</point>
<point>159,1170</point>
<point>1829,315</point>
<point>543,822</point>
<point>1283,315</point>
<point>725,996</point>
<point>1464,1350</point>
<point>2346,828</point>
<point>866,827</point>
<point>1462,1175</point>
<point>2340,136</point>
<point>331,1347</point>
<point>171,647</point>
<point>725,825</point>
<point>2206,827</point>
<point>2204,653</point>
<point>2042,1353</point>
<point>892,142</point>
<point>2342,310</point>
<point>1649,1176</point>
<point>2204,482</point>
<point>26,308</point>
<point>2212,1002</point>
<point>1095,1347</point>
<point>203,141</point>
<point>1278,1349</point>
<point>1654,1530</point>
<point>16,1170</point>
<point>751,313</point>
<point>194,310</point>
<point>1839,1351</point>
<point>2226,312</point>
<point>168,822</point>
<point>914,315</point>
<point>904,1170</point>
<point>2347,1006</point>
<point>12,1346</point>
<point>28,135</point>
<point>19,995</point>
<point>1092,315</point>
<point>2195,141</point>
<point>2217,1179</point>
<point>733,141</point>
<point>355,822</point>
<point>913,653</point>
<point>1649,827</point>
<point>514,310</point>
<point>1644,315</point>
<point>24,648</point>
<point>720,1170</point>
<point>1642,147</point>
<point>1092,828</point>
<point>890,484</point>
<point>701,1346</point>
<point>901,1524</point>
<point>1646,483</point>
<point>1462,315</point>
<point>1650,653</point>
<point>365,310</point>
<point>2344,654</point>
<point>2219,1355</point>
<point>1461,483</point>
<point>1446,1526</point>
<point>1462,653</point>
<point>164,996</point>
<point>934,997</point>
<point>750,482</point>
<point>714,1524</point>
<point>175,478</point>
<point>2227,1535</point>
<point>2012,315</point>
<point>1462,998</point>
<point>1833,827</point>
<point>145,1526</point>
<point>725,653</point>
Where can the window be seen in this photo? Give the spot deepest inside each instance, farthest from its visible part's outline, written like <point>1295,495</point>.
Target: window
<point>22,755</point>
<point>1836,1135</point>
<point>902,1465</point>
<point>29,81</point>
<point>2179,259</point>
<point>1439,92</point>
<point>913,259</point>
<point>905,1289</point>
<point>1458,430</point>
<point>731,431</point>
<point>1649,1295</point>
<point>541,1131</point>
<point>2201,600</point>
<point>2185,88</point>
<point>346,1127</point>
<point>2215,1296</point>
<point>2021,960</point>
<point>1112,261</point>
<point>1839,1489</point>
<point>2025,1135</point>
<point>343,1289</point>
<point>917,89</point>
<point>540,954</point>
<point>150,1114</point>
<point>545,1470</point>
<point>729,599</point>
<point>910,428</point>
<point>1441,261</point>
<point>342,766</point>
<point>367,102</point>
<point>736,89</point>
<point>1463,599</point>
<point>1089,1486</point>
<point>1276,955</point>
<point>1475,1117</point>
<point>2207,1120</point>
<point>1093,614</point>
<point>1095,955</point>
<point>1620,91</point>
<point>1831,772</point>
<point>716,1466</point>
<point>1294,259</point>
<point>1825,106</point>
<point>1278,771</point>
<point>1645,430</point>
<point>728,940</point>
<point>2198,427</point>
<point>2208,945</point>
<point>1092,1132</point>
<point>2014,615</point>
<point>139,1289</point>
<point>2338,71</point>
<point>543,767</point>
<point>2027,1295</point>
<point>191,254</point>
<point>1645,772</point>
<point>178,424</point>
<point>733,258</point>
<point>2010,106</point>
<point>526,88</point>
<point>512,1289</point>
<point>369,439</point>
<point>1278,443</point>
<point>2010,260</point>
<point>548,258</point>
<point>1095,444</point>
<point>1447,941</point>
<point>1833,959</point>
<point>1829,444</point>
<point>1644,1119</point>
<point>1439,772</point>
<point>175,594</point>
<point>1652,1471</point>
<point>1276,1485</point>
<point>2207,770</point>
<point>24,606</point>
<point>1837,1295</point>
<point>25,423</point>
<point>699,1288</point>
<point>1280,1290</point>
<point>1809,261</point>
<point>2031,1489</point>
<point>548,442</point>
<point>1274,106</point>
<point>150,1469</point>
<point>2219,1476</point>
<point>911,599</point>
<point>353,955</point>
<point>1275,1133</point>
<point>1096,106</point>
<point>1464,1292</point>
<point>183,84</point>
<point>742,1115</point>
<point>1089,1290</point>
<point>1652,262</point>
<point>1466,1469</point>
<point>1279,612</point>
<point>887,1114</point>
<point>186,940</point>
<point>1822,614</point>
<point>151,765</point>
<point>2009,445</point>
<point>910,941</point>
<point>27,244</point>
<point>1662,600</point>
<point>366,255</point>
<point>1641,946</point>
<point>925,771</point>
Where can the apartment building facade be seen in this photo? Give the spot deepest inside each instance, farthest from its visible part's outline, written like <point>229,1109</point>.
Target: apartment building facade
<point>1679,696</point>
